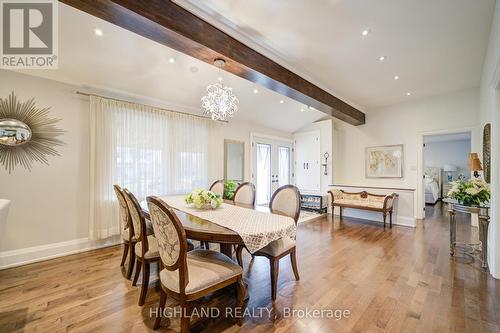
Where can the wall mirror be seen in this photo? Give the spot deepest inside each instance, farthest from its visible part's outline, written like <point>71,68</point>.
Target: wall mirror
<point>487,153</point>
<point>234,160</point>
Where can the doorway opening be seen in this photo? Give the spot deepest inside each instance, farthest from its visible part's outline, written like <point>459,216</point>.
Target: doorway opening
<point>445,160</point>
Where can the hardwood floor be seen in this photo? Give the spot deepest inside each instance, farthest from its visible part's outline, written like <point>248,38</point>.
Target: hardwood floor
<point>399,280</point>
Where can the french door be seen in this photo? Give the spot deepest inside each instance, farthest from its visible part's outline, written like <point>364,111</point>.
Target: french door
<point>272,167</point>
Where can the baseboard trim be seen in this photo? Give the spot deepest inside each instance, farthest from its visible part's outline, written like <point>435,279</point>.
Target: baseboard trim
<point>19,257</point>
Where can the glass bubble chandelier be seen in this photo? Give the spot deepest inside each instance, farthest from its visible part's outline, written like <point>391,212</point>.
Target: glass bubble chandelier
<point>219,102</point>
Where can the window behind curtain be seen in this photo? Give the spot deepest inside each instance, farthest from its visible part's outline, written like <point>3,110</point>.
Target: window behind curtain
<point>147,150</point>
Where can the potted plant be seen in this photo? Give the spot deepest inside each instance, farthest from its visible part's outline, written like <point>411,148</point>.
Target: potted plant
<point>229,189</point>
<point>474,192</point>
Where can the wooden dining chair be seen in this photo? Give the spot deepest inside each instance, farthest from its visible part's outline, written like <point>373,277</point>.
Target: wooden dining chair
<point>218,187</point>
<point>244,194</point>
<point>127,232</point>
<point>285,201</point>
<point>146,246</point>
<point>188,276</point>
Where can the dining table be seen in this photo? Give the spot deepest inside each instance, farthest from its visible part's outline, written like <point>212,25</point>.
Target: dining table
<point>203,230</point>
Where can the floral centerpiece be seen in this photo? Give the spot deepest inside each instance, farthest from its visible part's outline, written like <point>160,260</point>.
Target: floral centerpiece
<point>203,199</point>
<point>472,192</point>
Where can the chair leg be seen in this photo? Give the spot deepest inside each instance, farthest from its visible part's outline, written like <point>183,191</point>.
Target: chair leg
<point>340,215</point>
<point>385,216</point>
<point>293,260</point>
<point>138,266</point>
<point>185,317</point>
<point>131,261</point>
<point>275,266</point>
<point>125,253</point>
<point>239,256</point>
<point>161,306</point>
<point>145,283</point>
<point>390,219</point>
<point>206,245</point>
<point>241,295</point>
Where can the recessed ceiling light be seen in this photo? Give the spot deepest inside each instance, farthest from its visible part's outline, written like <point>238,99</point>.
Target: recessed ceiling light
<point>365,32</point>
<point>302,109</point>
<point>282,101</point>
<point>193,69</point>
<point>255,91</point>
<point>171,60</point>
<point>408,94</point>
<point>381,58</point>
<point>98,32</point>
<point>311,108</point>
<point>396,77</point>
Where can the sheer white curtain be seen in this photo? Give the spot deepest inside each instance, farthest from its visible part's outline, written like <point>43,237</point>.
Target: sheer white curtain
<point>144,149</point>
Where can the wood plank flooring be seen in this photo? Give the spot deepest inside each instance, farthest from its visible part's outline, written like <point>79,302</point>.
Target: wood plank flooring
<point>399,280</point>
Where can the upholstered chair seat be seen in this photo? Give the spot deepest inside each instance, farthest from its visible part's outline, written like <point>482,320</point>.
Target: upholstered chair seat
<point>128,234</point>
<point>278,247</point>
<point>189,276</point>
<point>152,249</point>
<point>149,231</point>
<point>146,247</point>
<point>206,269</point>
<point>285,201</point>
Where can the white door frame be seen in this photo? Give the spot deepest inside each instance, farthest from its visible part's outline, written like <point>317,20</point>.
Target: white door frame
<point>253,135</point>
<point>419,199</point>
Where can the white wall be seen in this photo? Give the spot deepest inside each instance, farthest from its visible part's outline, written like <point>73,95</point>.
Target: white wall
<point>235,130</point>
<point>402,124</point>
<point>50,204</point>
<point>456,153</point>
<point>490,113</point>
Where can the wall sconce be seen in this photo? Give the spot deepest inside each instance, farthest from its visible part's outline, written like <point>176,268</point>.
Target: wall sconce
<point>325,165</point>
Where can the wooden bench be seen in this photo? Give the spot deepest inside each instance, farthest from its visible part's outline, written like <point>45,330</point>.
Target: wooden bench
<point>365,201</point>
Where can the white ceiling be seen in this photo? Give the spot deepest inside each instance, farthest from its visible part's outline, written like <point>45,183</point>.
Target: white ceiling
<point>125,65</point>
<point>434,46</point>
<point>447,137</point>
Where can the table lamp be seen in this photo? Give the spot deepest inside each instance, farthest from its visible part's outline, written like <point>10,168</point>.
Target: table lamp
<point>475,164</point>
<point>449,168</point>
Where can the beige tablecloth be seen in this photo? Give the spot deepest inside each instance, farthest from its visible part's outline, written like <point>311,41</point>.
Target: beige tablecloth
<point>257,229</point>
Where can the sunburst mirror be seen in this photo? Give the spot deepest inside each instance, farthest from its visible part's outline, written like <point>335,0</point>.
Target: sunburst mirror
<point>27,133</point>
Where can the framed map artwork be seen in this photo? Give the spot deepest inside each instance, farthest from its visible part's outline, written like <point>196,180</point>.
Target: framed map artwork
<point>384,161</point>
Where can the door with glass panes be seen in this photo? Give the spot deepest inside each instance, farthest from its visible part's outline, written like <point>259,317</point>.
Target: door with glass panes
<point>272,167</point>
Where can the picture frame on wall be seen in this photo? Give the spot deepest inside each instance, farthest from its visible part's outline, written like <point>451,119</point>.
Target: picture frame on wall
<point>384,161</point>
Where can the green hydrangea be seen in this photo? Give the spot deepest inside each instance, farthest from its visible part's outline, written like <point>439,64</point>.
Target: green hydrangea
<point>473,192</point>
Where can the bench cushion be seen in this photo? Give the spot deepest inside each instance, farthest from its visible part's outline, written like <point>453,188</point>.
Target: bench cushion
<point>361,203</point>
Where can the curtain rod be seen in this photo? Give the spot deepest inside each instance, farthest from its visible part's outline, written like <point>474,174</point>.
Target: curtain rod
<point>122,100</point>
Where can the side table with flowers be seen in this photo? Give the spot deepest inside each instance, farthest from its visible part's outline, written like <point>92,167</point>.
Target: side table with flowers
<point>470,197</point>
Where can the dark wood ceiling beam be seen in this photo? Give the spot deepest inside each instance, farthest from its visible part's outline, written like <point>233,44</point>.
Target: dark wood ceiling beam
<point>168,23</point>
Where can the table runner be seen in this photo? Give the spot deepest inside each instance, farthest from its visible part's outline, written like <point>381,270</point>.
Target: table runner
<point>256,229</point>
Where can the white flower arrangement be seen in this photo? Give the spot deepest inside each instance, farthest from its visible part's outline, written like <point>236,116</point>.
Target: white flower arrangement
<point>203,199</point>
<point>472,192</point>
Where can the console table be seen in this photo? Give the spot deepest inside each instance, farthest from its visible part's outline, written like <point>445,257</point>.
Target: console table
<point>484,221</point>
